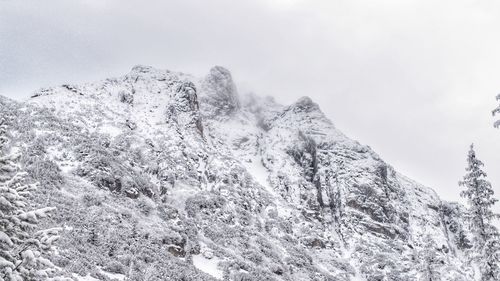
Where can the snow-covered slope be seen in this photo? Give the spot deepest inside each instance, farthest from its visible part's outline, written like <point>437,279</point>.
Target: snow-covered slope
<point>159,175</point>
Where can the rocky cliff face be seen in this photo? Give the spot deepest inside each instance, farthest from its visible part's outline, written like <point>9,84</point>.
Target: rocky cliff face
<point>159,175</point>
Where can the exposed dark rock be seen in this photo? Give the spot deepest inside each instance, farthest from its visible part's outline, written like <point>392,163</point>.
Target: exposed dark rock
<point>304,105</point>
<point>176,251</point>
<point>126,97</point>
<point>131,124</point>
<point>132,193</point>
<point>186,103</point>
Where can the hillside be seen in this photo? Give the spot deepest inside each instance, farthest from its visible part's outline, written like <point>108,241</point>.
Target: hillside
<point>159,175</point>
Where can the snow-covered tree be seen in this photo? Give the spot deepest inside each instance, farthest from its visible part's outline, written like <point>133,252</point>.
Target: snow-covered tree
<point>490,262</point>
<point>497,111</point>
<point>430,260</point>
<point>3,133</point>
<point>479,194</point>
<point>21,247</point>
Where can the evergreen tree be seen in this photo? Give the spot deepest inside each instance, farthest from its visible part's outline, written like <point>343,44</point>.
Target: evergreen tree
<point>479,194</point>
<point>490,262</point>
<point>430,260</point>
<point>497,111</point>
<point>21,248</point>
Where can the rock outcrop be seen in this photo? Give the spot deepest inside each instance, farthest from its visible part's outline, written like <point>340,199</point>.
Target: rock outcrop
<point>220,93</point>
<point>179,179</point>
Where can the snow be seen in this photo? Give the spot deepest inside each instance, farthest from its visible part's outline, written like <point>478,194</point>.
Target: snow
<point>266,151</point>
<point>84,278</point>
<point>113,276</point>
<point>110,129</point>
<point>357,278</point>
<point>208,266</point>
<point>255,167</point>
<point>4,238</point>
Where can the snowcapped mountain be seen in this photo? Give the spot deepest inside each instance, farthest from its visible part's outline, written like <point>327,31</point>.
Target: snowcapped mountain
<point>159,175</point>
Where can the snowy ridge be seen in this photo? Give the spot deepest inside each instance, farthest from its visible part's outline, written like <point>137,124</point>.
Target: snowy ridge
<point>164,175</point>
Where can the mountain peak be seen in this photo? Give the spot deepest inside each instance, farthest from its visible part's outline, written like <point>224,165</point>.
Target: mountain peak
<point>220,70</point>
<point>142,68</point>
<point>305,104</point>
<point>220,91</point>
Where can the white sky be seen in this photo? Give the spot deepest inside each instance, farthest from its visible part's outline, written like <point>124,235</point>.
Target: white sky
<point>414,79</point>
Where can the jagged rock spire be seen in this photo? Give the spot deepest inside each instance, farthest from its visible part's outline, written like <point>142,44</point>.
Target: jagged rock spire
<point>220,91</point>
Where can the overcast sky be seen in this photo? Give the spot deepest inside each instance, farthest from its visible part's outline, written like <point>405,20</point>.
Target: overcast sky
<point>415,80</point>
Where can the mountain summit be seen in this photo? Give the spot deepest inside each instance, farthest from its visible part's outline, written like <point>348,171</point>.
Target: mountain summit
<point>159,175</point>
